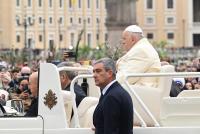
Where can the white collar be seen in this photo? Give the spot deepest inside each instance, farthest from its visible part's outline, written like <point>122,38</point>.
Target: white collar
<point>106,88</point>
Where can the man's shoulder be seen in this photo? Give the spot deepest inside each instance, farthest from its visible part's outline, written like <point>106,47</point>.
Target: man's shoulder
<point>33,110</point>
<point>119,94</point>
<point>117,89</point>
<point>77,86</point>
<point>78,89</point>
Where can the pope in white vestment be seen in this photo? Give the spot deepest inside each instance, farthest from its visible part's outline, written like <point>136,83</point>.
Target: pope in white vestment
<point>140,57</point>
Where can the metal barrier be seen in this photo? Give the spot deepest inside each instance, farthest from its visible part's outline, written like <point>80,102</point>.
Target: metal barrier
<point>144,107</point>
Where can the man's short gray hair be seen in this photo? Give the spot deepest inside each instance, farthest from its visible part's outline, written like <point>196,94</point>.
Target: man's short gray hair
<point>70,74</point>
<point>109,64</point>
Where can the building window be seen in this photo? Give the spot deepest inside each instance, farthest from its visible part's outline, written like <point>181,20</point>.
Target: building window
<point>72,39</point>
<point>170,20</point>
<point>18,20</point>
<point>170,4</point>
<point>150,36</point>
<point>88,20</point>
<point>89,39</point>
<point>71,20</point>
<point>97,37</point>
<point>106,37</point>
<point>29,3</point>
<point>149,4</point>
<point>61,3</point>
<point>60,21</point>
<point>196,11</point>
<point>50,20</point>
<point>79,20</point>
<point>61,37</point>
<point>79,3</point>
<point>18,38</point>
<point>97,20</point>
<point>17,3</point>
<point>196,40</point>
<point>30,20</point>
<point>40,38</point>
<point>150,20</point>
<point>40,20</point>
<point>170,36</point>
<point>50,3</point>
<point>97,4</point>
<point>70,3</point>
<point>88,3</point>
<point>40,3</point>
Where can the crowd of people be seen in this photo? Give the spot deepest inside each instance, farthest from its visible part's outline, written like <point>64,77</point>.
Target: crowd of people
<point>15,84</point>
<point>186,83</point>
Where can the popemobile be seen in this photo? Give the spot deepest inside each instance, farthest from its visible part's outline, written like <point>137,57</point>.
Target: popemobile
<point>154,111</point>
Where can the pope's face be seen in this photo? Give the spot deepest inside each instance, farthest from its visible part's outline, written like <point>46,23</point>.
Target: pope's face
<point>127,41</point>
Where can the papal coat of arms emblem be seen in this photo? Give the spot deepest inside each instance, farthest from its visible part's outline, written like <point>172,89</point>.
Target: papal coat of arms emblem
<point>50,99</point>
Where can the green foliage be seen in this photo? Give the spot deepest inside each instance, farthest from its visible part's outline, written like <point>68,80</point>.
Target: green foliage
<point>103,50</point>
<point>84,53</point>
<point>161,49</point>
<point>161,44</point>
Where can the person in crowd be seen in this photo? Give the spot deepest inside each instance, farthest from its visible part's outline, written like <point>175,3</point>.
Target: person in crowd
<point>4,87</point>
<point>178,85</point>
<point>114,112</point>
<point>139,57</point>
<point>194,81</point>
<point>2,99</point>
<point>196,86</point>
<point>23,85</point>
<point>23,93</point>
<point>25,71</point>
<point>66,77</point>
<point>175,86</point>
<point>189,86</point>
<point>33,86</point>
<point>5,78</point>
<point>14,75</point>
<point>196,64</point>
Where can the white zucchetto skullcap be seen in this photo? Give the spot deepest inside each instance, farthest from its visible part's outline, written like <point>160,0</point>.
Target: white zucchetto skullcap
<point>134,29</point>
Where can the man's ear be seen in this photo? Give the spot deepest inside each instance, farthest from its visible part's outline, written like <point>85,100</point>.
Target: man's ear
<point>62,76</point>
<point>110,72</point>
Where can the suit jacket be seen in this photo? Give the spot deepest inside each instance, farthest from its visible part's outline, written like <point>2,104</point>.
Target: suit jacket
<point>141,58</point>
<point>80,94</point>
<point>114,112</point>
<point>33,110</point>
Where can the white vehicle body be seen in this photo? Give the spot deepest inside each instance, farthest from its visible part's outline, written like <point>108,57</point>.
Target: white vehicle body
<point>52,117</point>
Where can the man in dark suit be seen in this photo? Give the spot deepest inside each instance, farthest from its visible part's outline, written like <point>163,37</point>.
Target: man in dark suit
<point>33,86</point>
<point>66,77</point>
<point>114,112</point>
